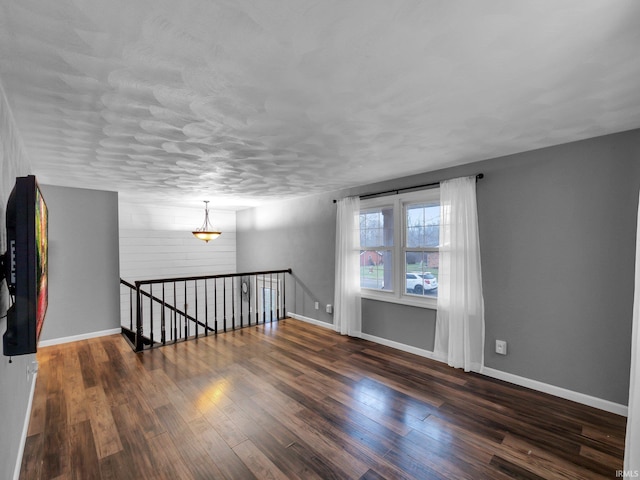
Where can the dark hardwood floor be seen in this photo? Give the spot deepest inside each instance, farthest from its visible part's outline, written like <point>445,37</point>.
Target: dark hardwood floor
<point>292,400</point>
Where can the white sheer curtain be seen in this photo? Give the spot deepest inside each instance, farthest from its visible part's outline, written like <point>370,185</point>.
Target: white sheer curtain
<point>347,318</point>
<point>460,317</point>
<point>632,443</point>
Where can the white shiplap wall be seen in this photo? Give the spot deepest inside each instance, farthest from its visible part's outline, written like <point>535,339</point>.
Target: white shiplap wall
<point>150,254</point>
<point>156,242</point>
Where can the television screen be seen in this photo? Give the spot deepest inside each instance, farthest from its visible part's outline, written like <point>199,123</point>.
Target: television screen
<point>26,263</point>
<point>42,292</point>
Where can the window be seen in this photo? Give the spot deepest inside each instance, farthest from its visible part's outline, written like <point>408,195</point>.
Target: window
<point>376,238</point>
<point>421,254</point>
<point>399,241</point>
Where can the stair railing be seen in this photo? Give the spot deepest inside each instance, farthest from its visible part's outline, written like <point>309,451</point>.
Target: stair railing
<point>170,310</point>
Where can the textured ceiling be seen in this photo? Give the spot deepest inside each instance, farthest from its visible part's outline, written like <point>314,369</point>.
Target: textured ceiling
<point>242,101</point>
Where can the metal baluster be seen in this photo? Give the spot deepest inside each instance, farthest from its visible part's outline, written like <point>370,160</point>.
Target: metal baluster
<point>186,310</point>
<point>270,298</point>
<point>195,286</point>
<point>206,309</point>
<point>264,312</point>
<point>151,312</point>
<point>233,304</point>
<point>139,344</point>
<point>277,296</point>
<point>131,309</point>
<point>224,304</point>
<point>215,304</point>
<point>256,296</point>
<point>174,327</point>
<point>284,292</point>
<point>162,318</point>
<point>241,302</point>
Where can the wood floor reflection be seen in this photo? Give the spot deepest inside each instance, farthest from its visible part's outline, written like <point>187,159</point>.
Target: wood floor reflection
<point>292,400</point>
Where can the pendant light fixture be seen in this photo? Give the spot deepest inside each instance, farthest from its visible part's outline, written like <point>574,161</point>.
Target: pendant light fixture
<point>206,232</point>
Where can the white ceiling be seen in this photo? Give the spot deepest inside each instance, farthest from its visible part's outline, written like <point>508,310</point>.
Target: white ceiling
<point>242,101</point>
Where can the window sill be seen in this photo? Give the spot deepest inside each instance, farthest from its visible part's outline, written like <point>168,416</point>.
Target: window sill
<point>392,297</point>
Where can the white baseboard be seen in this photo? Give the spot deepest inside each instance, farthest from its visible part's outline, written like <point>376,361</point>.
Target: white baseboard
<point>25,429</point>
<point>310,320</point>
<point>399,346</point>
<point>76,338</point>
<point>578,397</point>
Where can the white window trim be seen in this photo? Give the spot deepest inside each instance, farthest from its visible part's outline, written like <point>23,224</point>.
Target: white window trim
<point>399,295</point>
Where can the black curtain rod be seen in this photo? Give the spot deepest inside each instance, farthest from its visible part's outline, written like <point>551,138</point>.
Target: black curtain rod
<point>398,190</point>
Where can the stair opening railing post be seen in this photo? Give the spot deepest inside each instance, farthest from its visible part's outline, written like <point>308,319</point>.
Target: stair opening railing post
<point>206,309</point>
<point>284,297</point>
<point>186,311</point>
<point>215,304</point>
<point>163,333</point>
<point>131,310</point>
<point>256,300</point>
<point>270,298</point>
<point>151,329</point>
<point>175,314</point>
<point>224,304</point>
<point>139,341</point>
<point>241,302</point>
<point>264,302</point>
<point>195,296</point>
<point>233,303</point>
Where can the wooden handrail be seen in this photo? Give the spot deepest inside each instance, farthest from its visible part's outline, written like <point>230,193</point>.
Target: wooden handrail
<point>209,277</point>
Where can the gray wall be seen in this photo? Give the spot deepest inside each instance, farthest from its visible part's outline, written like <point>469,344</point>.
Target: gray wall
<point>84,288</point>
<point>297,234</point>
<point>557,233</point>
<point>404,324</point>
<point>15,383</point>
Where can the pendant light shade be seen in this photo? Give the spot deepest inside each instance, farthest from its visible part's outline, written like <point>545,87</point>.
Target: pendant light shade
<point>206,232</point>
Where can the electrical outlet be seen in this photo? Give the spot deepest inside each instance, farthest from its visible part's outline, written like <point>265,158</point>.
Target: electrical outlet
<point>329,308</point>
<point>317,305</point>
<point>501,347</point>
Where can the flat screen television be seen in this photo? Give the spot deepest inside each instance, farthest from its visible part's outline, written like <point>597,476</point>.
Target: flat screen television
<point>25,265</point>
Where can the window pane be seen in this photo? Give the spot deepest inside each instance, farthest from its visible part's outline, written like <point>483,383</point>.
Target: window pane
<point>423,225</point>
<point>422,273</point>
<point>376,227</point>
<point>376,269</point>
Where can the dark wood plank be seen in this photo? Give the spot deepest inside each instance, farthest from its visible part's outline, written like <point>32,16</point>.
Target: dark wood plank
<point>513,470</point>
<point>105,432</point>
<point>83,454</point>
<point>222,455</point>
<point>116,466</point>
<point>193,453</point>
<point>273,444</point>
<point>293,400</point>
<point>74,390</point>
<point>87,365</point>
<point>167,462</point>
<point>31,468</point>
<point>55,452</point>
